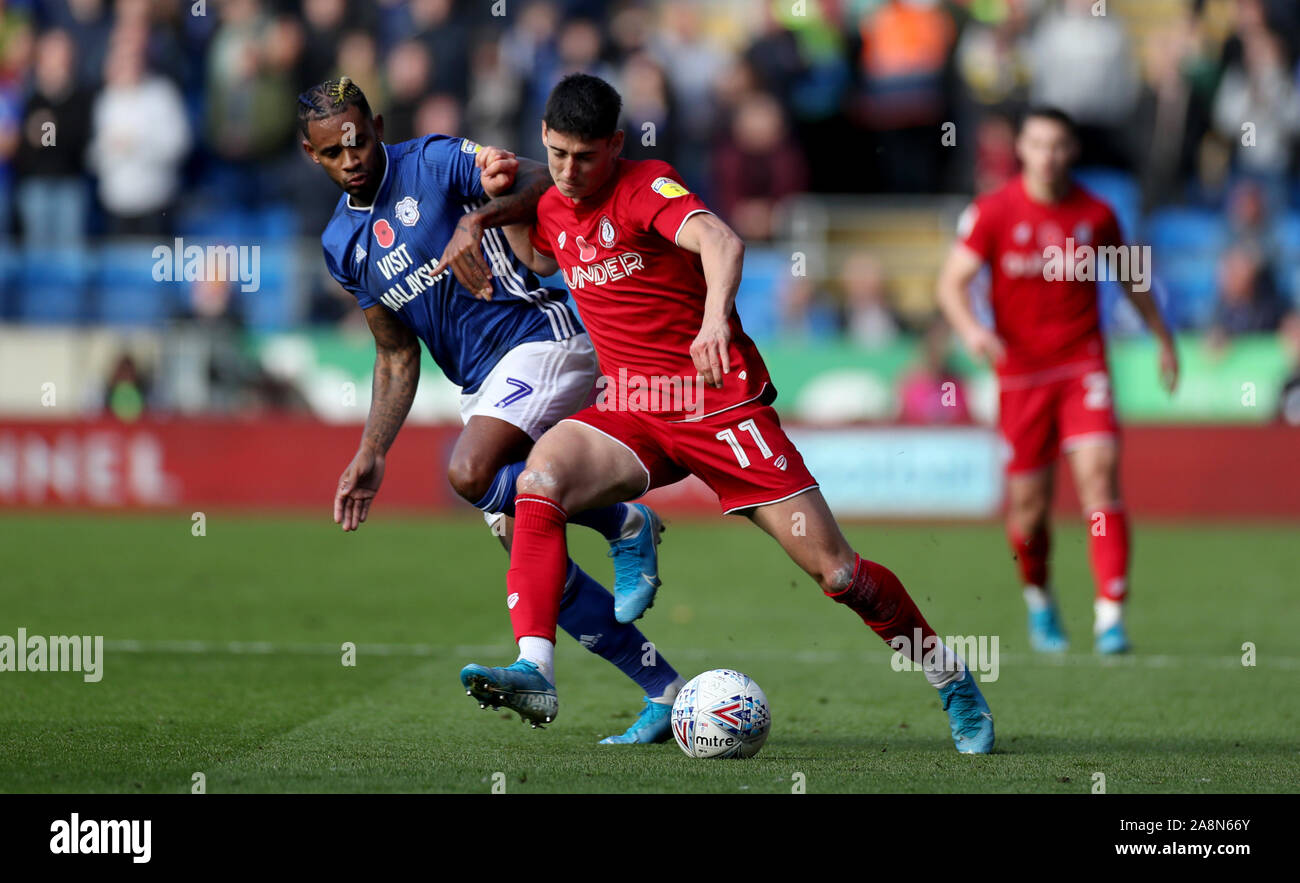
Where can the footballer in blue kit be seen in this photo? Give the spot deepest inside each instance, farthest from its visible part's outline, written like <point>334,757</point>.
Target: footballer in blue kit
<point>389,252</point>
<point>405,241</point>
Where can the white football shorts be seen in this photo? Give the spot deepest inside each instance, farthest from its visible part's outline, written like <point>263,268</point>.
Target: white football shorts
<point>537,384</point>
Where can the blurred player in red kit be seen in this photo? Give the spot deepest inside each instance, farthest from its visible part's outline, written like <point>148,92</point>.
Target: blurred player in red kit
<point>1047,350</point>
<point>655,275</point>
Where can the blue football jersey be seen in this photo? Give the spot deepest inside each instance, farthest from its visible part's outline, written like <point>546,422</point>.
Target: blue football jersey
<point>385,254</point>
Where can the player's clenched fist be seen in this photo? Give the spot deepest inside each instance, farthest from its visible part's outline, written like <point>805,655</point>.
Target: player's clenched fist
<point>710,351</point>
<point>357,488</point>
<point>497,170</point>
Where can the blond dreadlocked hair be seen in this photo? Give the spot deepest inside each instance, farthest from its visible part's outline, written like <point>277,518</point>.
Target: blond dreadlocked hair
<point>328,99</point>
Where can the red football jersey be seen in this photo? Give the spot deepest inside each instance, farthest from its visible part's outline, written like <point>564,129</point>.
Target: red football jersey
<point>640,295</point>
<point>1044,324</point>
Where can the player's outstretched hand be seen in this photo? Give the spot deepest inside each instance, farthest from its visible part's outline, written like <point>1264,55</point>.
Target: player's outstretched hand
<point>710,351</point>
<point>984,344</point>
<point>464,254</point>
<point>497,170</point>
<point>357,488</point>
<point>1168,366</point>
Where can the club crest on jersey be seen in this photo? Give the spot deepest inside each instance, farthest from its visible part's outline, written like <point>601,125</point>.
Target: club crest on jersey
<point>607,233</point>
<point>407,211</point>
<point>668,188</point>
<point>383,231</point>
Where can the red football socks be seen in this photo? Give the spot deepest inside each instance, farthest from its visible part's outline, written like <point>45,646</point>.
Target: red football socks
<point>877,596</point>
<point>1031,555</point>
<point>539,561</point>
<point>1108,549</point>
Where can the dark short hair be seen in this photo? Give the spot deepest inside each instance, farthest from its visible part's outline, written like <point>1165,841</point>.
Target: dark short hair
<point>328,99</point>
<point>1047,112</point>
<point>583,106</point>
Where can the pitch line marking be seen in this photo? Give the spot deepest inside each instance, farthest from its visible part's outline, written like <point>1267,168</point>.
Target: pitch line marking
<point>808,657</point>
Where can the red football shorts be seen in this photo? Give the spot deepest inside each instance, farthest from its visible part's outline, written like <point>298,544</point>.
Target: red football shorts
<point>742,454</point>
<point>1045,414</point>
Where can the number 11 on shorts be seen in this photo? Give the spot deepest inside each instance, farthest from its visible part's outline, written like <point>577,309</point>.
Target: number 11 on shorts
<point>729,436</point>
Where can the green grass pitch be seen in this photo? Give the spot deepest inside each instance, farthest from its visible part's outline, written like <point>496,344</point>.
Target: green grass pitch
<point>222,657</point>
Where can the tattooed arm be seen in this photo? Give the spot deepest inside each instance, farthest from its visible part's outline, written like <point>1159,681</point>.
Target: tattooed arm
<point>515,185</point>
<point>397,373</point>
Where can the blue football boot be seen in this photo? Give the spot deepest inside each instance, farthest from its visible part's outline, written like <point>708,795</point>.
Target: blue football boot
<point>968,715</point>
<point>636,567</point>
<point>519,687</point>
<point>1113,640</point>
<point>1045,632</point>
<point>651,725</point>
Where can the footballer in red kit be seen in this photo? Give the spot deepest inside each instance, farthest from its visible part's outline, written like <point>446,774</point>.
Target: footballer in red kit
<point>1047,350</point>
<point>617,248</point>
<point>683,391</point>
<point>620,245</point>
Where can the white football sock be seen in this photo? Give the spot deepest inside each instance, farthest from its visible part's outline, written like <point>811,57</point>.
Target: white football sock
<point>670,692</point>
<point>942,666</point>
<point>1037,598</point>
<point>1108,613</point>
<point>541,653</point>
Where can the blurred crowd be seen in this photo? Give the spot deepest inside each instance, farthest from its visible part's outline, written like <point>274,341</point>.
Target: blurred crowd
<point>754,100</point>
<point>125,117</point>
